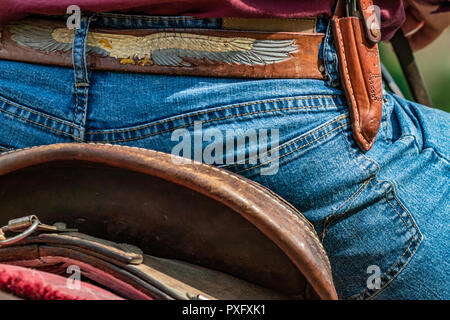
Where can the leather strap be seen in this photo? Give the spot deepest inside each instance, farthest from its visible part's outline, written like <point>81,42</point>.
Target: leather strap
<point>370,20</point>
<point>107,264</point>
<point>195,52</point>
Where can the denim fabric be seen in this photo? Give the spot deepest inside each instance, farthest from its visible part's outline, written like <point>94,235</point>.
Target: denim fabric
<point>384,210</point>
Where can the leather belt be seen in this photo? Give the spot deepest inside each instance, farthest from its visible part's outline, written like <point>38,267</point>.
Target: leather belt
<point>256,53</point>
<point>195,52</point>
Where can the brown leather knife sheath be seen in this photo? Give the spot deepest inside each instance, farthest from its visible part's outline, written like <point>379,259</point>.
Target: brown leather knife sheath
<point>360,72</point>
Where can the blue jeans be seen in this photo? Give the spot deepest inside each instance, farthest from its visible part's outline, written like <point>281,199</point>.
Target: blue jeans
<point>383,216</point>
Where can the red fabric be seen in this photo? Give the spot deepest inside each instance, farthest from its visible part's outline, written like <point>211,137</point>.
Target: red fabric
<point>60,265</point>
<point>14,9</point>
<point>392,12</point>
<point>30,284</point>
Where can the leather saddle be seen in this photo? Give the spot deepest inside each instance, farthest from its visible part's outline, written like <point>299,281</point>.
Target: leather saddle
<point>142,226</point>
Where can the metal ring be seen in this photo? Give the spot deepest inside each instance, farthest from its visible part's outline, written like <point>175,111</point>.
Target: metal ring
<point>22,235</point>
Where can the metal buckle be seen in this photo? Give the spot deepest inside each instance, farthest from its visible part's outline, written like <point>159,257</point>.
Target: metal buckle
<point>27,226</point>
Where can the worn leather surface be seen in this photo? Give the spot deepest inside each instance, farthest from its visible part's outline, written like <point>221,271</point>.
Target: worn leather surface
<point>270,24</point>
<point>372,26</point>
<point>100,260</point>
<point>107,250</point>
<point>191,212</point>
<point>153,278</point>
<point>360,74</point>
<point>304,63</point>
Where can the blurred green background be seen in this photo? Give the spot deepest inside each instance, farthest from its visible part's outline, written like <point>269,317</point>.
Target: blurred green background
<point>434,65</point>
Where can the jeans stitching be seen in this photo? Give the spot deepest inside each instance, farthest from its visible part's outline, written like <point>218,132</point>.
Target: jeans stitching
<point>391,268</point>
<point>83,51</point>
<point>84,106</point>
<point>328,51</point>
<point>211,110</point>
<point>292,151</point>
<point>335,63</point>
<point>295,140</point>
<point>410,219</point>
<point>390,272</point>
<point>357,193</point>
<point>75,64</point>
<point>41,125</point>
<point>403,219</point>
<point>36,112</point>
<point>75,109</point>
<point>325,52</point>
<point>385,121</point>
<point>207,121</point>
<point>80,57</point>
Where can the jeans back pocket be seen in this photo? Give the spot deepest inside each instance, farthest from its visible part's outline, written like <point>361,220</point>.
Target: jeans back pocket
<point>367,232</point>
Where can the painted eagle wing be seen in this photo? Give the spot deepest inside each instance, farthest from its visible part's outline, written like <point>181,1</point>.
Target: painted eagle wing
<point>165,48</point>
<point>170,48</point>
<point>47,39</point>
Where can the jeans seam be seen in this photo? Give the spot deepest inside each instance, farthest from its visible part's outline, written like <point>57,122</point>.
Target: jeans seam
<point>289,143</point>
<point>385,121</point>
<point>84,82</point>
<point>390,271</point>
<point>293,141</point>
<point>85,105</point>
<point>292,151</point>
<point>359,191</point>
<point>76,106</point>
<point>37,112</point>
<point>212,109</point>
<point>83,52</point>
<point>325,53</point>
<point>327,50</point>
<point>39,124</point>
<point>414,226</point>
<point>75,86</point>
<point>207,121</point>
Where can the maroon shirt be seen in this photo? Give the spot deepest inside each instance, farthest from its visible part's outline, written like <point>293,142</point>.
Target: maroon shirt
<point>392,12</point>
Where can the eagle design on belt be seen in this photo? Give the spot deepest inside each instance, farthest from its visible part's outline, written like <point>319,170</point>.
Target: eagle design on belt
<point>160,48</point>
